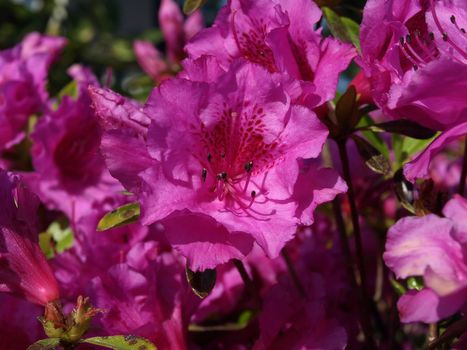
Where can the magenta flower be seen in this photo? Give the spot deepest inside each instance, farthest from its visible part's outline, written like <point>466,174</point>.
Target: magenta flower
<point>23,268</point>
<point>70,174</point>
<point>278,35</point>
<point>415,54</point>
<point>23,78</point>
<point>234,177</point>
<point>176,33</point>
<point>147,295</point>
<point>420,166</point>
<point>434,248</point>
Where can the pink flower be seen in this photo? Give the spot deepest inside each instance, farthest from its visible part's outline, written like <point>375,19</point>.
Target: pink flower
<point>278,35</point>
<point>176,32</point>
<point>70,174</point>
<point>434,248</point>
<point>420,166</point>
<point>147,295</point>
<point>415,56</point>
<point>234,177</point>
<point>24,270</point>
<point>23,78</point>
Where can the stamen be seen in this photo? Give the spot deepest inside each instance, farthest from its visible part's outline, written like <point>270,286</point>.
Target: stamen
<point>248,166</point>
<point>463,30</point>
<point>222,176</point>
<point>401,40</point>
<point>408,38</point>
<point>204,174</point>
<point>253,194</point>
<point>209,157</point>
<point>431,35</point>
<point>453,19</point>
<point>445,36</point>
<point>415,67</point>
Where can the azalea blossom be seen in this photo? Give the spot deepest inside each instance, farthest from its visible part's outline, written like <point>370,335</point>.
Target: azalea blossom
<point>280,36</point>
<point>433,248</point>
<point>70,174</point>
<point>415,55</point>
<point>23,78</point>
<point>24,270</point>
<point>236,175</point>
<point>176,33</point>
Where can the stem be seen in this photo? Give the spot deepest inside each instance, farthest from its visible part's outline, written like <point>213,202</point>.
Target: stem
<point>366,302</point>
<point>461,189</point>
<point>364,315</point>
<point>432,332</point>
<point>244,274</point>
<point>293,273</point>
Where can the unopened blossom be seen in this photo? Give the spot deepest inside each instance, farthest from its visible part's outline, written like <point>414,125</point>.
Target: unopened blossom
<point>176,32</point>
<point>235,176</point>
<point>280,36</point>
<point>23,267</point>
<point>23,78</point>
<point>434,248</point>
<point>415,55</point>
<point>70,174</point>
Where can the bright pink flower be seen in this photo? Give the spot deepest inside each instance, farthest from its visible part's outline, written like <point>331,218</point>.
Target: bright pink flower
<point>434,248</point>
<point>176,33</point>
<point>147,295</point>
<point>234,176</point>
<point>415,54</point>
<point>420,166</point>
<point>23,78</point>
<point>23,268</point>
<point>278,35</point>
<point>70,173</point>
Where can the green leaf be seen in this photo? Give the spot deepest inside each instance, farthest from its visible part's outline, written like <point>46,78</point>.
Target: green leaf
<point>342,28</point>
<point>191,6</point>
<point>45,242</point>
<point>71,89</point>
<point>372,137</point>
<point>121,216</point>
<point>398,287</point>
<point>63,236</point>
<point>415,283</point>
<point>45,344</point>
<point>405,127</point>
<point>242,322</point>
<point>375,160</point>
<point>121,342</point>
<point>405,147</point>
<point>201,282</point>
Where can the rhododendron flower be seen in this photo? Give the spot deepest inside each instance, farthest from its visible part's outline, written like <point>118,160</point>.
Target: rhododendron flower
<point>235,176</point>
<point>23,78</point>
<point>278,35</point>
<point>419,167</point>
<point>70,174</point>
<point>176,33</point>
<point>147,295</point>
<point>415,54</point>
<point>432,247</point>
<point>23,268</point>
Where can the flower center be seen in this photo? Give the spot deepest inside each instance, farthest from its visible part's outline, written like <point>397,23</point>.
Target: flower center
<point>418,47</point>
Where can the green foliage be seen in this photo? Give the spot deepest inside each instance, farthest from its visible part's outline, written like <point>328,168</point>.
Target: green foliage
<point>242,322</point>
<point>45,344</point>
<point>120,342</point>
<point>342,28</point>
<point>56,239</point>
<point>121,216</point>
<point>191,6</point>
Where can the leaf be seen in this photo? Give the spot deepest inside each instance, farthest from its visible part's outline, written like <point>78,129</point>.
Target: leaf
<point>372,157</point>
<point>242,322</point>
<point>342,28</point>
<point>372,137</point>
<point>201,282</point>
<point>121,342</point>
<point>191,6</point>
<point>121,216</point>
<point>346,109</point>
<point>45,242</point>
<point>62,236</point>
<point>398,287</point>
<point>404,191</point>
<point>45,344</point>
<point>404,127</point>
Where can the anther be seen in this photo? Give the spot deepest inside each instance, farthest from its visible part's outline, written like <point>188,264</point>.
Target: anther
<point>463,30</point>
<point>401,40</point>
<point>416,32</point>
<point>453,19</point>
<point>415,67</point>
<point>445,36</point>
<point>432,36</point>
<point>408,39</point>
<point>248,166</point>
<point>204,174</point>
<point>209,157</point>
<point>253,194</point>
<point>223,155</point>
<point>222,176</point>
